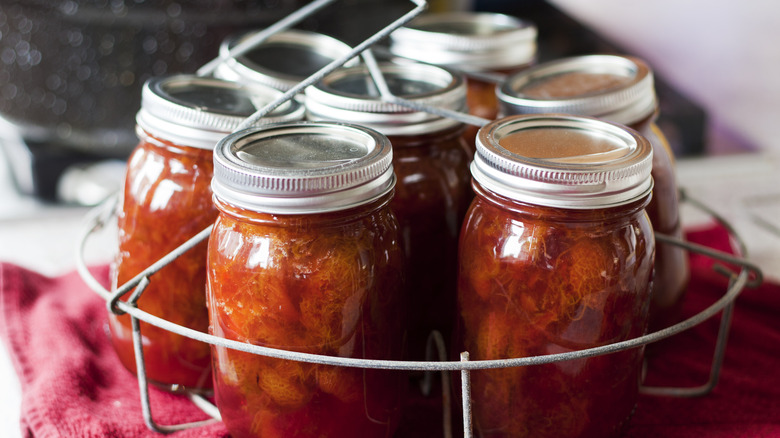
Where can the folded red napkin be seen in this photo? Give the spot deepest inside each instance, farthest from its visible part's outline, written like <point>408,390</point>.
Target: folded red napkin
<point>73,384</point>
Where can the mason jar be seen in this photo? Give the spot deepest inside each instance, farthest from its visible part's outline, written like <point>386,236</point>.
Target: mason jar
<point>282,60</point>
<point>556,255</point>
<point>305,256</point>
<point>166,200</point>
<point>430,159</point>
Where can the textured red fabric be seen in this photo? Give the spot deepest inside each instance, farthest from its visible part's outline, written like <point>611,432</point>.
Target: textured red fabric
<point>73,384</point>
<point>746,401</point>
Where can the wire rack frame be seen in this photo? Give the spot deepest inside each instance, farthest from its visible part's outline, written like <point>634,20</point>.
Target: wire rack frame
<point>748,274</point>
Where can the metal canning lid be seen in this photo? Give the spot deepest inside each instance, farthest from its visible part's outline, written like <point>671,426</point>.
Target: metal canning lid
<point>615,88</point>
<point>349,95</point>
<point>303,167</point>
<point>193,111</point>
<point>563,161</point>
<point>282,60</point>
<point>470,41</point>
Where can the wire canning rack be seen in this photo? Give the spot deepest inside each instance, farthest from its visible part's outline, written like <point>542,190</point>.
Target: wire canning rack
<point>746,274</point>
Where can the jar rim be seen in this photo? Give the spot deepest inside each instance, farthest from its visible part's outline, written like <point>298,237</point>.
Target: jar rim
<point>344,95</point>
<point>302,167</point>
<point>471,41</point>
<point>243,69</point>
<point>195,111</point>
<point>561,160</point>
<point>630,98</point>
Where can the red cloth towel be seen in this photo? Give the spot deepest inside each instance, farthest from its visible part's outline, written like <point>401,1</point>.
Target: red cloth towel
<point>746,401</point>
<point>73,384</point>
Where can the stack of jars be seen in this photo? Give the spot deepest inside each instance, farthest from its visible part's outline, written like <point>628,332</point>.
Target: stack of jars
<point>368,226</point>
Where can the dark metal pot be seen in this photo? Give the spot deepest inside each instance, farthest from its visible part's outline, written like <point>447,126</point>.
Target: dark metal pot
<point>71,71</point>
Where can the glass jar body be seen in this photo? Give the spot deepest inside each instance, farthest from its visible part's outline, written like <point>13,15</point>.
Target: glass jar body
<point>327,284</point>
<point>539,280</point>
<point>431,197</point>
<point>166,201</point>
<point>671,262</point>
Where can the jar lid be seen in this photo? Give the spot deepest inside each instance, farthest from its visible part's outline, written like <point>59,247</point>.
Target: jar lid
<point>616,88</point>
<point>563,161</point>
<point>193,111</point>
<point>302,167</point>
<point>282,60</point>
<point>470,41</point>
<point>349,94</point>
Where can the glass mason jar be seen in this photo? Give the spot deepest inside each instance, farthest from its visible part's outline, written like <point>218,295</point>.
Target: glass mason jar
<point>166,201</point>
<point>282,60</point>
<point>556,255</point>
<point>431,162</point>
<point>482,44</point>
<point>618,89</point>
<point>305,256</point>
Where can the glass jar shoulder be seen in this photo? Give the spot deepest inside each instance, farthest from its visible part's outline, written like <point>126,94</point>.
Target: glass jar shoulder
<point>243,236</point>
<point>498,232</point>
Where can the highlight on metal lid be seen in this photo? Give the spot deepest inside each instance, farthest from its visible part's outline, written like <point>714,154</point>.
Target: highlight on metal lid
<point>470,41</point>
<point>302,167</point>
<point>563,161</point>
<point>616,88</point>
<point>282,60</point>
<point>195,111</point>
<point>349,94</point>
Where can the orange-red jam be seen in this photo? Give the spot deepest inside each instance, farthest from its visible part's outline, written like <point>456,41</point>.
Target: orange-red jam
<point>553,260</point>
<point>167,200</point>
<point>305,256</point>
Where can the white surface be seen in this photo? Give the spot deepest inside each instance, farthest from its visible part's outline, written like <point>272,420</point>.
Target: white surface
<point>745,190</point>
<point>721,53</point>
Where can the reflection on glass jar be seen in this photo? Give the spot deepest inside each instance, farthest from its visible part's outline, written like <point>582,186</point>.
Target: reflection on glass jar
<point>556,255</point>
<point>305,257</point>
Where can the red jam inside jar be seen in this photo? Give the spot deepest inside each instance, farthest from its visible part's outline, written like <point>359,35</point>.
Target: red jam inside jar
<point>618,89</point>
<point>167,200</point>
<point>553,261</point>
<point>431,198</point>
<point>306,265</point>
